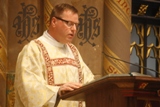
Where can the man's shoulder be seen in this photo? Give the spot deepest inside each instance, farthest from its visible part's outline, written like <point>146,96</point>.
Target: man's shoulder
<point>32,44</point>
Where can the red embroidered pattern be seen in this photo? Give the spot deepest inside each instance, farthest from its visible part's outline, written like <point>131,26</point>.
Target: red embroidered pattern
<point>60,61</point>
<point>55,62</point>
<point>79,67</point>
<point>77,60</point>
<point>48,63</point>
<point>64,61</point>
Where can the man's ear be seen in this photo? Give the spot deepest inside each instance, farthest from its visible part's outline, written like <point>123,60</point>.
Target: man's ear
<point>53,21</point>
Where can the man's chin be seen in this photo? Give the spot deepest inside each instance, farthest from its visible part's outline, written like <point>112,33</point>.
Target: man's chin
<point>69,40</point>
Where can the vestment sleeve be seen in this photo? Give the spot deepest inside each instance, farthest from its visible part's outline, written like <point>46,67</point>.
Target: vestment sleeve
<point>31,85</point>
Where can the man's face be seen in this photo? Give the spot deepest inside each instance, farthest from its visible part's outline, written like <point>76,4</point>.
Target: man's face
<point>66,26</point>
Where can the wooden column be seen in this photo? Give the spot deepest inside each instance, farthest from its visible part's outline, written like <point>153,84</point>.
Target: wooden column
<point>3,50</point>
<point>117,25</point>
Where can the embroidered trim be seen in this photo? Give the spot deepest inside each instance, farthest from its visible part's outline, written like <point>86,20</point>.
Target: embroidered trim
<point>47,62</point>
<point>64,61</point>
<point>75,53</point>
<point>59,61</point>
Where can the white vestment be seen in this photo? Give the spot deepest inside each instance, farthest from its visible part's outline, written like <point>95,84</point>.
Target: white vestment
<point>41,66</point>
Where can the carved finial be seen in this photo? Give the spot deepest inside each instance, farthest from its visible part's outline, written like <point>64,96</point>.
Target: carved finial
<point>142,10</point>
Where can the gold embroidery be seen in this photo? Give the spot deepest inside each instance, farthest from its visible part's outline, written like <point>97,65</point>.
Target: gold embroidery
<point>77,59</point>
<point>64,61</point>
<point>61,61</point>
<point>79,67</point>
<point>47,62</point>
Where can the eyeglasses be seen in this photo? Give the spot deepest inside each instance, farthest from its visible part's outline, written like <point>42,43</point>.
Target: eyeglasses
<point>68,23</point>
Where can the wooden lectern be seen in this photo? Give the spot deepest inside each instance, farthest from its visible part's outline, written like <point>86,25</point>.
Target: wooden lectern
<point>119,91</point>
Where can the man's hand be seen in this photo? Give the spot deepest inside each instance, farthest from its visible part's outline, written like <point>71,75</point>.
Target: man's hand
<point>68,87</point>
